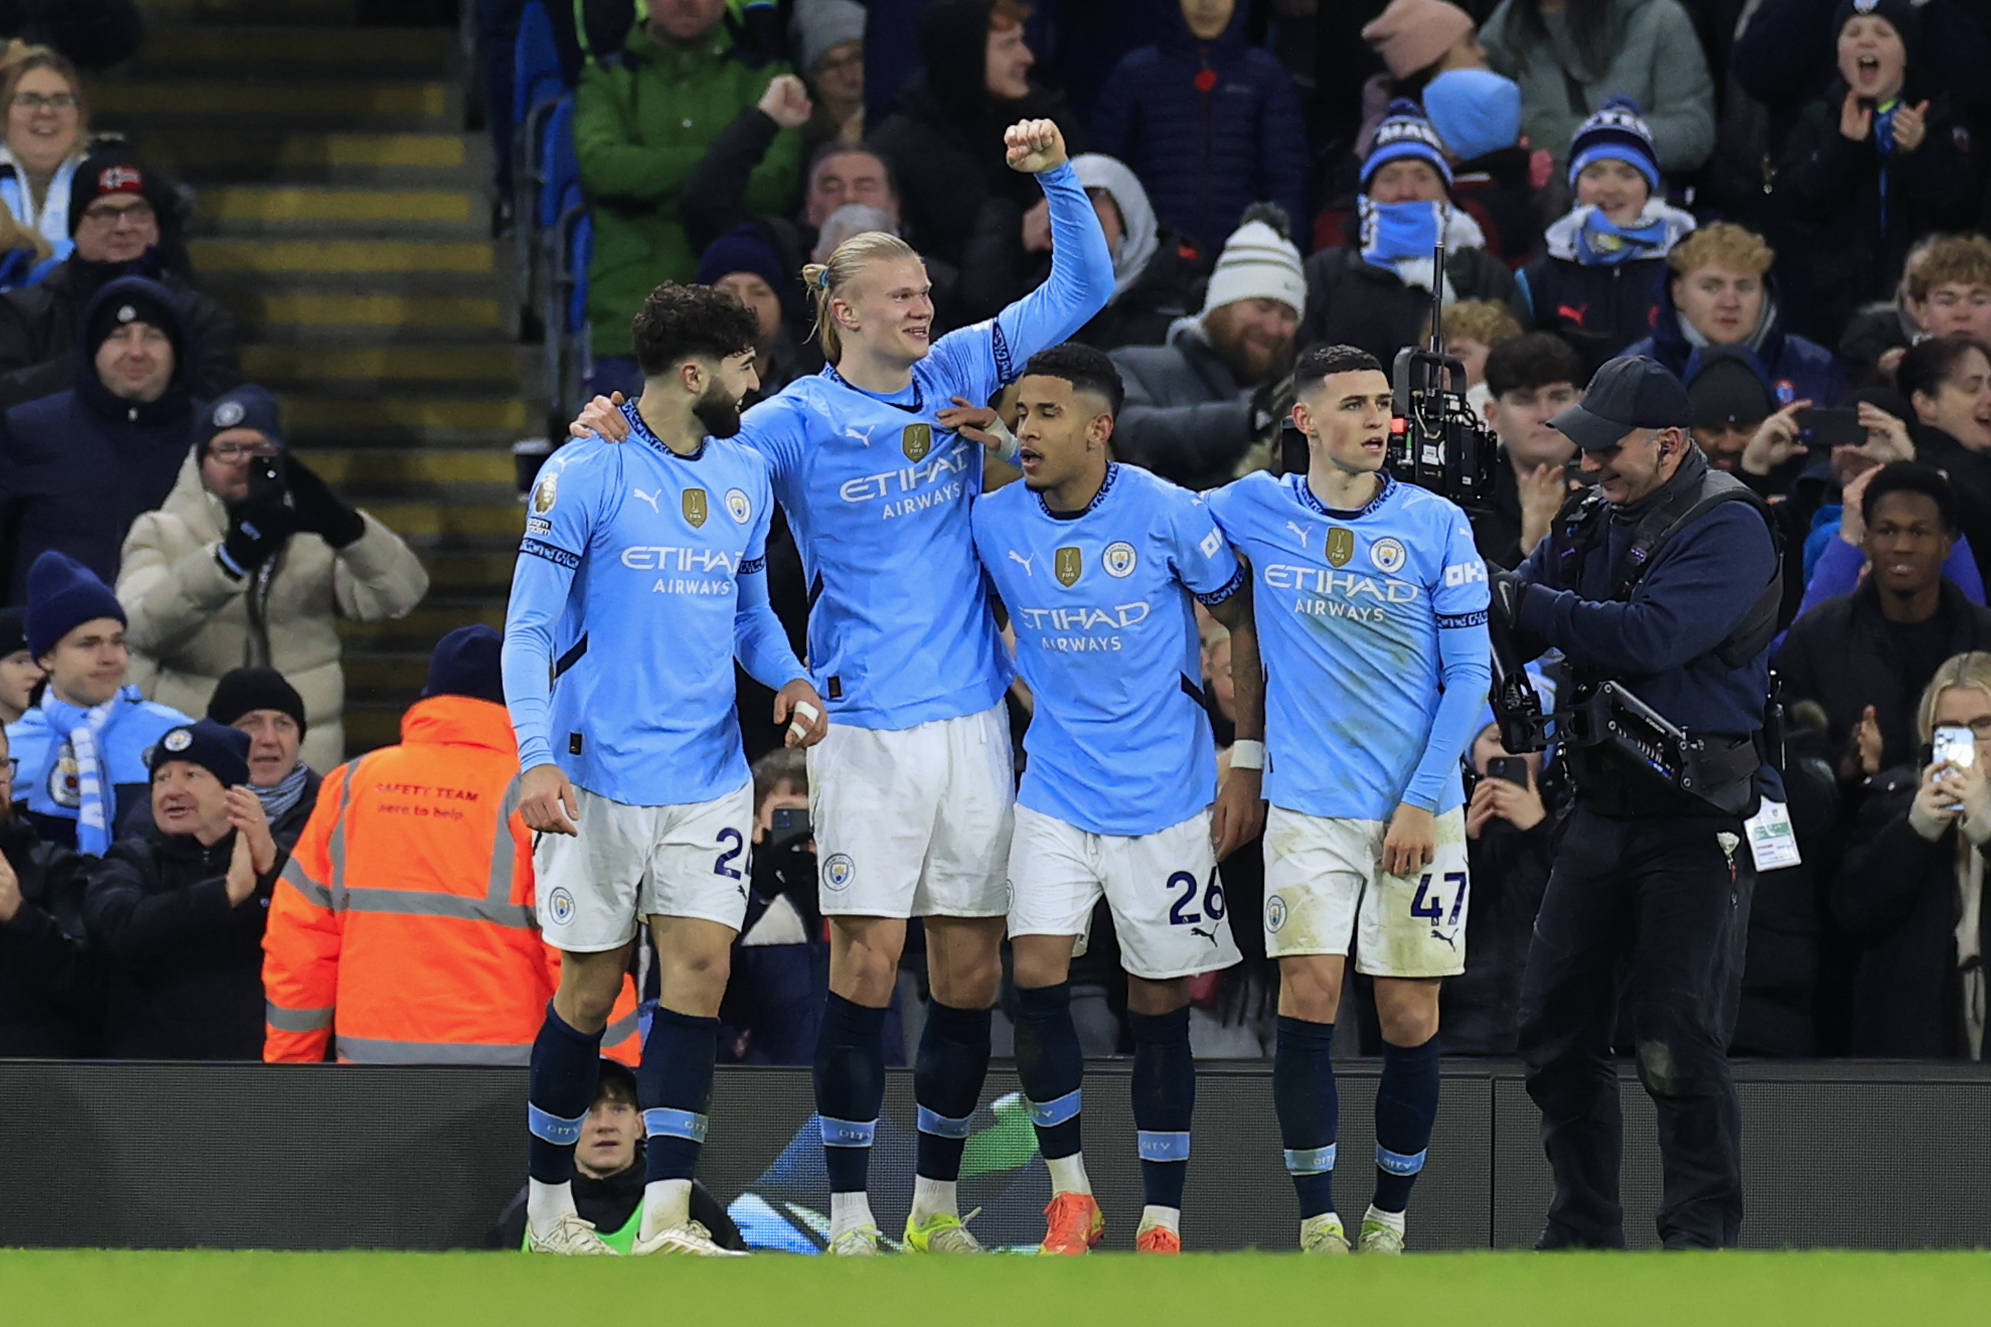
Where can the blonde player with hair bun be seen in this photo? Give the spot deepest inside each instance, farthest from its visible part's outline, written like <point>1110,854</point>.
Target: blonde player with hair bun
<point>911,791</point>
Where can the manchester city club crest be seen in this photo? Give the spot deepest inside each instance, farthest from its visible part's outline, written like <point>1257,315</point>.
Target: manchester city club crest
<point>1118,559</point>
<point>696,509</point>
<point>1275,912</point>
<point>228,414</point>
<point>1068,564</point>
<point>1340,545</point>
<point>1386,555</point>
<point>65,781</point>
<point>544,493</point>
<point>561,905</point>
<point>738,506</point>
<point>838,871</point>
<point>177,740</point>
<point>916,440</point>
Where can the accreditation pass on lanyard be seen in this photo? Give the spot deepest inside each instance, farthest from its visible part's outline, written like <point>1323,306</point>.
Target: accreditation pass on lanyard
<point>1772,842</point>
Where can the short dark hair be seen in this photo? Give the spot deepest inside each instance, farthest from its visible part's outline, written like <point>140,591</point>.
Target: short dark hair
<point>1910,477</point>
<point>1317,362</point>
<point>615,1081</point>
<point>1086,369</point>
<point>1530,362</point>
<point>680,322</point>
<point>1929,363</point>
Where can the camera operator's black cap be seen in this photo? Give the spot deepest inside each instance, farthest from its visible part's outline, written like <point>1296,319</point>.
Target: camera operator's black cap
<point>1629,393</point>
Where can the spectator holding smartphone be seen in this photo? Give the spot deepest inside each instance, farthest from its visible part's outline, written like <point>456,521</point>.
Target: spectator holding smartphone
<point>253,557</point>
<point>1911,885</point>
<point>1511,823</point>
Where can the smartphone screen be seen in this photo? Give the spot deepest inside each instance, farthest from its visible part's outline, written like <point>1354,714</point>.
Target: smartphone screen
<point>1956,745</point>
<point>1512,769</point>
<point>1830,428</point>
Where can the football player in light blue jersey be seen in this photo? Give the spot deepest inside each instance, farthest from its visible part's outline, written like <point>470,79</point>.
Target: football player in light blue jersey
<point>640,578</point>
<point>912,791</point>
<point>1097,564</point>
<point>1371,607</point>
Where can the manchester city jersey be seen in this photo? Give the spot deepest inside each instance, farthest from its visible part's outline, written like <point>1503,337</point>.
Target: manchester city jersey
<point>878,495</point>
<point>640,574</point>
<point>1106,638</point>
<point>1349,607</point>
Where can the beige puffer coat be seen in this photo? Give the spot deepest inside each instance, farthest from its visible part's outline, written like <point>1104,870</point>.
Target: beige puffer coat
<point>190,621</point>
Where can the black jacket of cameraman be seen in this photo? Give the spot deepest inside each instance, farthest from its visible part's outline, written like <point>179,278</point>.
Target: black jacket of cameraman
<point>47,981</point>
<point>1661,642</point>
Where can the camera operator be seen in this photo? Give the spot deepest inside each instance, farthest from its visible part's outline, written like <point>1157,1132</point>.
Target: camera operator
<point>773,1005</point>
<point>1663,579</point>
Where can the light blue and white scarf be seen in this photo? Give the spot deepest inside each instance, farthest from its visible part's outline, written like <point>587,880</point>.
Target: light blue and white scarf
<point>80,729</point>
<point>51,220</point>
<point>1400,237</point>
<point>1587,237</point>
<point>284,795</point>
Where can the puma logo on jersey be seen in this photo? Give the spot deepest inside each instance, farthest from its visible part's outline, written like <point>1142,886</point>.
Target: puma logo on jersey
<point>1210,935</point>
<point>1015,556</point>
<point>650,498</point>
<point>1452,939</point>
<point>1300,530</point>
<point>1575,313</point>
<point>863,436</point>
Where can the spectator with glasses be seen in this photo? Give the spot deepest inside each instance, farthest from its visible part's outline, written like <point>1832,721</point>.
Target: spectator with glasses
<point>48,131</point>
<point>252,557</point>
<point>124,218</point>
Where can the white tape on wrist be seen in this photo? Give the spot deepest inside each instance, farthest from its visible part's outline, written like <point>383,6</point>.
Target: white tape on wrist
<point>1247,754</point>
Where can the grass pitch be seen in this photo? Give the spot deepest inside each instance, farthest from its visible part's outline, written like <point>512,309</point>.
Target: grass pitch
<point>76,1288</point>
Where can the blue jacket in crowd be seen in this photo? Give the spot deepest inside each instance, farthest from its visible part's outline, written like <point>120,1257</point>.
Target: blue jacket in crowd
<point>1210,128</point>
<point>77,468</point>
<point>1793,368</point>
<point>47,782</point>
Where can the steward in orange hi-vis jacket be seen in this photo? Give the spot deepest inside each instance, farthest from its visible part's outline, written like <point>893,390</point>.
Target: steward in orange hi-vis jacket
<point>403,928</point>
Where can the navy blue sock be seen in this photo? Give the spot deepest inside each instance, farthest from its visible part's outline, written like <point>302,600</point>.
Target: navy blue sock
<point>850,1087</point>
<point>1164,1099</point>
<point>953,1060</point>
<point>1406,1103</point>
<point>674,1087</point>
<point>565,1063</point>
<point>1309,1112</point>
<point>1050,1065</point>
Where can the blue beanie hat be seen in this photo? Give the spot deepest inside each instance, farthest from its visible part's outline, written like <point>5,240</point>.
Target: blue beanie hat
<point>466,663</point>
<point>246,407</point>
<point>1475,111</point>
<point>1405,133</point>
<point>217,748</point>
<point>745,249</point>
<point>1615,133</point>
<point>63,594</point>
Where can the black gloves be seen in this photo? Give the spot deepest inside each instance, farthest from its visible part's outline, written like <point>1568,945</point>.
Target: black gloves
<point>1508,591</point>
<point>320,511</point>
<point>256,529</point>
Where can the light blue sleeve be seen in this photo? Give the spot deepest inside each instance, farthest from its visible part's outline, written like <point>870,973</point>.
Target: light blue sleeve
<point>1201,558</point>
<point>776,430</point>
<point>979,359</point>
<point>1460,599</point>
<point>759,640</point>
<point>542,579</point>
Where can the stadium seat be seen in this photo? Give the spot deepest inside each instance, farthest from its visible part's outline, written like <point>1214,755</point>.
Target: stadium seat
<point>537,89</point>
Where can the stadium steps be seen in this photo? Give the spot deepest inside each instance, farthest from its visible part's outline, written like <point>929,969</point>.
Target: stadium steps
<point>343,218</point>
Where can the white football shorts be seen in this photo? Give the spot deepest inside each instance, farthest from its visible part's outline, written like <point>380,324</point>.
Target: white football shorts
<point>631,862</point>
<point>1168,906</point>
<point>914,822</point>
<point>1325,889</point>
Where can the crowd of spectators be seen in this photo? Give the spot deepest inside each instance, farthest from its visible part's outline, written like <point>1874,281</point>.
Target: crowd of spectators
<point>1780,201</point>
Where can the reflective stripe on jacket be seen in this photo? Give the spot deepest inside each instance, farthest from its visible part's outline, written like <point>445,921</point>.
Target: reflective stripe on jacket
<point>403,929</point>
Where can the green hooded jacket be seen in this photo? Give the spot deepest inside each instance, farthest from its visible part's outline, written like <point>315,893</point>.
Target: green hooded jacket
<point>641,122</point>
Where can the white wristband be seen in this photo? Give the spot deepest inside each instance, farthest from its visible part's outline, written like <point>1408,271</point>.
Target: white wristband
<point>1247,754</point>
<point>1007,446</point>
